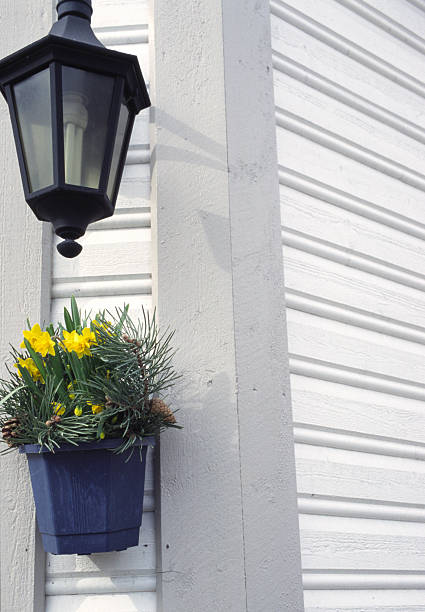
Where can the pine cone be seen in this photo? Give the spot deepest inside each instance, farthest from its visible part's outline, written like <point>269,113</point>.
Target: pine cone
<point>159,408</point>
<point>55,418</point>
<point>9,430</point>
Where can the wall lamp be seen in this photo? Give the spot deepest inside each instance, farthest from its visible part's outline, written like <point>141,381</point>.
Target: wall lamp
<point>72,104</point>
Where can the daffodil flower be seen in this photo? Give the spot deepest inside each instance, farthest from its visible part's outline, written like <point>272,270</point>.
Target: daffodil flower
<point>102,435</point>
<point>95,408</point>
<point>79,343</point>
<point>29,365</point>
<point>78,411</point>
<point>58,409</point>
<point>39,340</point>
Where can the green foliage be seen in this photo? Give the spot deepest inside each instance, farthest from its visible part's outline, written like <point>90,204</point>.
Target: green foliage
<point>85,380</point>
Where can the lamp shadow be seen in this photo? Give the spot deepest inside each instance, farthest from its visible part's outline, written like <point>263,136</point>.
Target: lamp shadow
<point>214,155</point>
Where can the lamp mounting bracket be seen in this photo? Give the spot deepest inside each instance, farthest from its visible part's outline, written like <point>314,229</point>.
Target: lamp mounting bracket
<point>74,17</point>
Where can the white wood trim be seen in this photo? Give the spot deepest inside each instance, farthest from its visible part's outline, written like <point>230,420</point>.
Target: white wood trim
<point>138,154</point>
<point>125,284</point>
<point>96,585</point>
<point>350,440</point>
<point>345,580</point>
<point>125,218</point>
<point>224,543</point>
<point>122,35</point>
<point>323,505</point>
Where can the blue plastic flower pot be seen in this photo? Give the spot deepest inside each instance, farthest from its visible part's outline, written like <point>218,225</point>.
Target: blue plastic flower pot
<point>87,498</point>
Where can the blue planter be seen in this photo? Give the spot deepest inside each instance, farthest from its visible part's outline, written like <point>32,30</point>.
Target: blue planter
<point>87,498</point>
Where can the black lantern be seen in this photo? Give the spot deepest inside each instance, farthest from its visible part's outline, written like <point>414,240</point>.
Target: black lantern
<point>72,104</point>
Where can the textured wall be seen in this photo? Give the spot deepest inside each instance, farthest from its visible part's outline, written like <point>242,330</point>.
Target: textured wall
<point>229,531</point>
<point>24,291</point>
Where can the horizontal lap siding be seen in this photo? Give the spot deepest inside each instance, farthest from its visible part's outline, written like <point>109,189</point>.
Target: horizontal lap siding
<point>349,95</point>
<point>114,268</point>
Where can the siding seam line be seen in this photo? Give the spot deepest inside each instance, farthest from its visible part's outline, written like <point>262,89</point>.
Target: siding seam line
<point>350,149</point>
<point>328,505</point>
<point>342,199</point>
<point>353,377</point>
<point>233,310</point>
<point>388,25</point>
<point>315,435</point>
<point>344,95</point>
<point>334,579</point>
<point>353,259</point>
<point>346,47</point>
<point>343,313</point>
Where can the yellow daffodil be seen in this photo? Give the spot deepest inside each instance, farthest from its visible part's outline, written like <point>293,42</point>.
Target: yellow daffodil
<point>95,408</point>
<point>89,336</point>
<point>39,340</point>
<point>78,411</point>
<point>102,435</point>
<point>79,343</point>
<point>58,409</point>
<point>29,365</point>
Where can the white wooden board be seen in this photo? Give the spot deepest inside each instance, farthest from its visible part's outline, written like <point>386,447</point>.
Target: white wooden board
<point>349,91</point>
<point>354,347</point>
<point>363,33</point>
<point>348,285</point>
<point>320,219</point>
<point>129,602</point>
<point>326,404</point>
<point>404,13</point>
<point>336,64</point>
<point>114,269</point>
<point>345,173</point>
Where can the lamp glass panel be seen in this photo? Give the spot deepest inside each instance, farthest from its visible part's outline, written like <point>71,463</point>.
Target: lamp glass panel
<point>34,117</point>
<point>87,98</point>
<point>116,155</point>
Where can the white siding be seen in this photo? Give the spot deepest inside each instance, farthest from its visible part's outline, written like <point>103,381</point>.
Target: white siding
<point>351,132</point>
<point>114,267</point>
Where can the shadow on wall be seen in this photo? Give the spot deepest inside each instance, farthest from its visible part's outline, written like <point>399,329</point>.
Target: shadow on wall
<point>217,230</point>
<point>215,154</point>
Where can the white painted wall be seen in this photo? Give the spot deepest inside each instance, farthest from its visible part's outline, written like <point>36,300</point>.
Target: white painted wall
<point>226,529</point>
<point>114,268</point>
<point>24,292</point>
<point>229,529</point>
<point>235,545</point>
<point>351,131</point>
